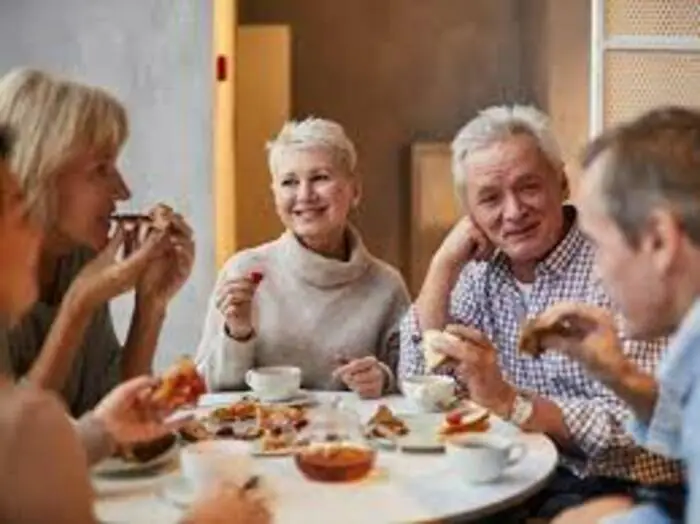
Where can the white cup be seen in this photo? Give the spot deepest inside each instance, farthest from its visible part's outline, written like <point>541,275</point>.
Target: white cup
<point>275,382</point>
<point>480,458</point>
<point>429,392</point>
<point>211,462</point>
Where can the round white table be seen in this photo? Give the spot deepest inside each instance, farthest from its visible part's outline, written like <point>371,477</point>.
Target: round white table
<point>406,487</point>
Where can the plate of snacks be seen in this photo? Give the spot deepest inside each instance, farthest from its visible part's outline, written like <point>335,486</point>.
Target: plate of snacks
<point>424,432</point>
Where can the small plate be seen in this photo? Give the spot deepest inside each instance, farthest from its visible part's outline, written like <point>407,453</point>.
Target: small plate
<point>118,466</point>
<point>423,432</point>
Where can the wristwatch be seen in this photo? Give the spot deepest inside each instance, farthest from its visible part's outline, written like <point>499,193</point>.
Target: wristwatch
<point>522,409</point>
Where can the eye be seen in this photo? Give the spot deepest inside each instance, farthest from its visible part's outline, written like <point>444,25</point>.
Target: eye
<point>288,182</point>
<point>320,177</point>
<point>489,199</point>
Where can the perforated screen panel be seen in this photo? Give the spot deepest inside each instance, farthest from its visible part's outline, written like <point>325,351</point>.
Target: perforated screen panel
<point>652,17</point>
<point>637,81</point>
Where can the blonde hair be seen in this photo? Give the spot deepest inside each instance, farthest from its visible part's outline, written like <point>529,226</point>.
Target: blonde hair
<point>313,132</point>
<point>496,123</point>
<point>54,119</point>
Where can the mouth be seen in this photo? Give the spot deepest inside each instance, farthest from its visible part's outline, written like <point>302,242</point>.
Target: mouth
<point>522,231</point>
<point>308,213</point>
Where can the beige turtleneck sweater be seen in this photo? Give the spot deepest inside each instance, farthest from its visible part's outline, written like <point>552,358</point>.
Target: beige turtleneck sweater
<point>308,311</point>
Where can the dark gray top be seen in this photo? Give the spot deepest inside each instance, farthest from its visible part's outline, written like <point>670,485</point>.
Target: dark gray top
<point>96,367</point>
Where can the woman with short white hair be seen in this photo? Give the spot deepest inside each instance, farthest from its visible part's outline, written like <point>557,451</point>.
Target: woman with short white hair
<point>315,297</point>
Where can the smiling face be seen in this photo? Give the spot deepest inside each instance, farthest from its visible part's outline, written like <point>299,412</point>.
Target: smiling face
<point>20,240</point>
<point>313,195</point>
<point>88,188</point>
<point>515,196</point>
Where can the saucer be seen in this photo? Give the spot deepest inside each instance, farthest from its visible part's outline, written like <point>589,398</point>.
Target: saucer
<point>178,492</point>
<point>298,399</point>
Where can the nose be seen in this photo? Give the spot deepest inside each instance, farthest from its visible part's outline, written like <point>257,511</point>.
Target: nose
<point>120,191</point>
<point>513,208</point>
<point>306,190</point>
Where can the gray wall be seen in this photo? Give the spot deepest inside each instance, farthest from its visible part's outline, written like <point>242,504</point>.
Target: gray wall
<point>155,55</point>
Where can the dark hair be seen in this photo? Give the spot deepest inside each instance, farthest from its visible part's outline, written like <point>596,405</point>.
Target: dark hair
<point>652,161</point>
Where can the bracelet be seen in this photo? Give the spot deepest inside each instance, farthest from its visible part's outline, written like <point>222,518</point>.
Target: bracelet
<point>245,338</point>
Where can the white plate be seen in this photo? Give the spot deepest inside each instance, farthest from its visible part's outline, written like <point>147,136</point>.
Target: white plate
<point>117,466</point>
<point>423,432</point>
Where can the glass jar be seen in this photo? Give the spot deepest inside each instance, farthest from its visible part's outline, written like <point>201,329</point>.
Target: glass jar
<point>336,450</point>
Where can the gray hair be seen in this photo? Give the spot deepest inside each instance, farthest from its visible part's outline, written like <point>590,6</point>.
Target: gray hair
<point>496,123</point>
<point>313,132</point>
<point>651,162</point>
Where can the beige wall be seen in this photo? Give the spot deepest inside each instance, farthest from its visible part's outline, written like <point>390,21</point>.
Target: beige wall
<point>262,106</point>
<point>399,71</point>
<point>393,72</point>
<point>556,41</point>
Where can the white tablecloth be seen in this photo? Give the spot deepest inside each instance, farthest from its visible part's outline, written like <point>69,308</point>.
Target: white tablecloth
<point>405,487</point>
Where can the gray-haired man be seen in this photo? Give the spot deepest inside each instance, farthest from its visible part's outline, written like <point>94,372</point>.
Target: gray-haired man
<point>517,251</point>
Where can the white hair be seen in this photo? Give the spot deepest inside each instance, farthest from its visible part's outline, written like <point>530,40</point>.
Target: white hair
<point>313,132</point>
<point>496,123</point>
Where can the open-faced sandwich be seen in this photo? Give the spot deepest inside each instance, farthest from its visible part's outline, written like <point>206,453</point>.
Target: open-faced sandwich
<point>465,421</point>
<point>536,329</point>
<point>384,421</point>
<point>132,224</point>
<point>431,339</point>
<point>181,385</point>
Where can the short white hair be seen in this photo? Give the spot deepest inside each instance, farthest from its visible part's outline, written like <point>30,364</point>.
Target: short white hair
<point>313,132</point>
<point>497,123</point>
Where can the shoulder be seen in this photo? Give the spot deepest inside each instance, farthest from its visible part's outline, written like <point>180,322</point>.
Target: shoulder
<point>26,411</point>
<point>387,278</point>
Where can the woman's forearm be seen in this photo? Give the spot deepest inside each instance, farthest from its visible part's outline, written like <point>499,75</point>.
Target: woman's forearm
<point>53,365</point>
<point>142,339</point>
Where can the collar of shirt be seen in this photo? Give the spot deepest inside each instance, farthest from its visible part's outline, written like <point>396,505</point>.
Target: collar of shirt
<point>679,364</point>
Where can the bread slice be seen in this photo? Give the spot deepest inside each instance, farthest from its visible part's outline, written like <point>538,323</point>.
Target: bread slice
<point>431,339</point>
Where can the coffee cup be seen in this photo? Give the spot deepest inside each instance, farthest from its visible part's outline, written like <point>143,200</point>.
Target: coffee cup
<point>274,383</point>
<point>480,458</point>
<point>429,392</point>
<point>210,462</point>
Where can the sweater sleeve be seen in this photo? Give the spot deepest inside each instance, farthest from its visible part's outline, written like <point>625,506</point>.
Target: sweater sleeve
<point>222,360</point>
<point>390,346</point>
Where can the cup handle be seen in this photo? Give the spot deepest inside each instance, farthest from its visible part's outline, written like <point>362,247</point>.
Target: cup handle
<point>248,379</point>
<point>516,453</point>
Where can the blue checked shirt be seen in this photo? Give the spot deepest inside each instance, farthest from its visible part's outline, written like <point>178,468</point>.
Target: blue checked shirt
<point>487,297</point>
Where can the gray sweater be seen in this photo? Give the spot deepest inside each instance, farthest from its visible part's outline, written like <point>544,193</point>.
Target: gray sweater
<point>308,311</point>
<point>96,368</point>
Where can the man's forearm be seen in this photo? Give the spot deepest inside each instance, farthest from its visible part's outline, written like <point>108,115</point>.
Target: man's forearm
<point>548,418</point>
<point>433,302</point>
<point>51,369</point>
<point>142,339</point>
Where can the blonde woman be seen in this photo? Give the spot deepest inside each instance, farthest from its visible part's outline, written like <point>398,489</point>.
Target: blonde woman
<point>44,454</point>
<point>315,297</point>
<point>68,138</point>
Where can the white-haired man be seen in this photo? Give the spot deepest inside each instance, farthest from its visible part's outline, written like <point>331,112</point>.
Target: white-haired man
<point>517,251</point>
